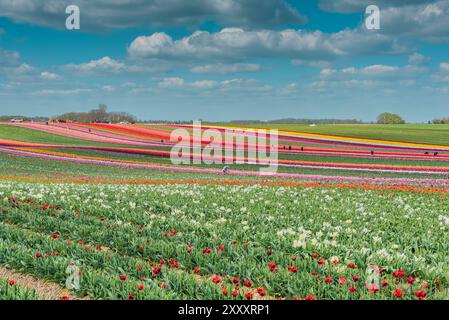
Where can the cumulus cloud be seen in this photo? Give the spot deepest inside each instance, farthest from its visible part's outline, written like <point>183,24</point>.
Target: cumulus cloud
<point>442,75</point>
<point>205,84</point>
<point>233,44</point>
<point>376,71</point>
<point>49,76</point>
<point>105,64</point>
<point>236,84</point>
<point>111,14</point>
<point>222,68</point>
<point>350,6</point>
<point>24,69</point>
<point>173,82</point>
<point>417,59</point>
<point>428,22</point>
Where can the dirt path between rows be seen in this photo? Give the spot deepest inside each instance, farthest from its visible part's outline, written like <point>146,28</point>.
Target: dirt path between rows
<point>44,289</point>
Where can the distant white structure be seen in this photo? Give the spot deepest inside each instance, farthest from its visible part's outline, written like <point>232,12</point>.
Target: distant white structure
<point>16,120</point>
<point>312,125</point>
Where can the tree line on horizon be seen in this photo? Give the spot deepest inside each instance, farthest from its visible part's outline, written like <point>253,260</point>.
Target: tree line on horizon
<point>101,115</point>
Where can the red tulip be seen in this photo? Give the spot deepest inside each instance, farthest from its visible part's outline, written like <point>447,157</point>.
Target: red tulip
<point>373,288</point>
<point>398,293</point>
<point>11,282</point>
<point>261,292</point>
<point>156,270</point>
<point>246,283</point>
<point>140,287</point>
<point>421,295</point>
<point>399,273</point>
<point>216,279</point>
<point>122,277</point>
<point>355,278</point>
<point>352,289</point>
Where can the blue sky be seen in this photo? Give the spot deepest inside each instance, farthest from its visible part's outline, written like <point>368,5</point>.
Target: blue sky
<point>226,59</point>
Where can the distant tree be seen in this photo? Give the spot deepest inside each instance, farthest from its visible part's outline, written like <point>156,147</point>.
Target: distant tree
<point>389,118</point>
<point>99,114</point>
<point>441,121</point>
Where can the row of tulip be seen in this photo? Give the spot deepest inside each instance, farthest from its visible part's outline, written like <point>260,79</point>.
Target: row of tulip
<point>9,290</point>
<point>228,241</point>
<point>58,156</point>
<point>140,135</point>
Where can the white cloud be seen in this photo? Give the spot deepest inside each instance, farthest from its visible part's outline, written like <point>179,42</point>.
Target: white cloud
<point>374,71</point>
<point>237,44</point>
<point>105,64</point>
<point>444,66</point>
<point>442,75</point>
<point>379,69</point>
<point>49,76</point>
<point>111,14</point>
<point>428,22</point>
<point>222,68</point>
<point>347,6</point>
<point>418,59</point>
<point>108,88</point>
<point>236,84</point>
<point>61,92</point>
<point>204,84</point>
<point>169,83</point>
<point>24,69</point>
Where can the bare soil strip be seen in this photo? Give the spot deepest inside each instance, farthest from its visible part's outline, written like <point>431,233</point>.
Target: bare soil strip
<point>44,289</point>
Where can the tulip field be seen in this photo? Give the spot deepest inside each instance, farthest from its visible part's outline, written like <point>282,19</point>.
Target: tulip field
<point>98,211</point>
